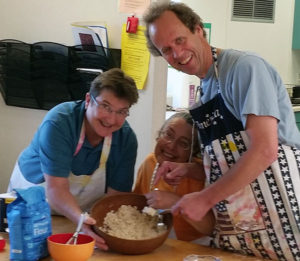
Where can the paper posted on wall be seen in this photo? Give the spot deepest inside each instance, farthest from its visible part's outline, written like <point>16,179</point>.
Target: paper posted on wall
<point>90,33</point>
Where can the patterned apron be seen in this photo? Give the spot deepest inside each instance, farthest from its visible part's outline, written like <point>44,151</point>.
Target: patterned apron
<point>262,219</point>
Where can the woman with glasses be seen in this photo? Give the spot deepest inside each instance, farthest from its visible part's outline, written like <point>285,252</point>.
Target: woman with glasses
<point>176,142</point>
<point>83,149</point>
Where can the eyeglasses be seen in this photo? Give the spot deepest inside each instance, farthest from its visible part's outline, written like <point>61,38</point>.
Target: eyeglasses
<point>169,137</point>
<point>103,107</point>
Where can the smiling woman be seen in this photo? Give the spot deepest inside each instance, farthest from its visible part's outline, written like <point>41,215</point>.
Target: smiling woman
<point>83,149</point>
<point>107,104</point>
<point>99,122</point>
<point>176,142</point>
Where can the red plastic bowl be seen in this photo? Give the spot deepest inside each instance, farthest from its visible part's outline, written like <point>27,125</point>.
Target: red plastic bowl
<point>2,243</point>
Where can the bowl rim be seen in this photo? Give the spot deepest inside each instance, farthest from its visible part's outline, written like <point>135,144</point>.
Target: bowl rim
<point>70,234</point>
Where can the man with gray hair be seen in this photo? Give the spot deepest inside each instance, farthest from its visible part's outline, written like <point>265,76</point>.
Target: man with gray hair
<point>250,139</point>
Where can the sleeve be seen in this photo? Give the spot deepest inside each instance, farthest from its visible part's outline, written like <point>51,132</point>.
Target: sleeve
<point>56,150</point>
<point>121,162</point>
<point>253,89</point>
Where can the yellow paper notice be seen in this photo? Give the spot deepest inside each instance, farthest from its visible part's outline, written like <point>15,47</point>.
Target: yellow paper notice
<point>135,55</point>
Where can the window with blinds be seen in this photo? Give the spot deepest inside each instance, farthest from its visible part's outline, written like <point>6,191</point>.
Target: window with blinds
<point>253,11</point>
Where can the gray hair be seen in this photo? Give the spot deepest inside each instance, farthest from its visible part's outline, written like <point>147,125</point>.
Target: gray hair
<point>188,119</point>
<point>183,12</point>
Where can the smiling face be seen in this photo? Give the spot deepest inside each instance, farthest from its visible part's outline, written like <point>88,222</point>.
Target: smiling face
<point>99,122</point>
<point>186,51</point>
<point>181,133</point>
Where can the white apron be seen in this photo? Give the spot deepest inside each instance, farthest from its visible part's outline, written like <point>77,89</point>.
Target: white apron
<point>262,219</point>
<point>88,188</point>
<point>85,188</point>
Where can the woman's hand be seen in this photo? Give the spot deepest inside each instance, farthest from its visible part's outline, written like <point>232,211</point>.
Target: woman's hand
<point>161,199</point>
<point>87,229</point>
<point>171,172</point>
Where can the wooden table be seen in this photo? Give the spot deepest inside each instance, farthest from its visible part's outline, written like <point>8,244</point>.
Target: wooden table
<point>171,250</point>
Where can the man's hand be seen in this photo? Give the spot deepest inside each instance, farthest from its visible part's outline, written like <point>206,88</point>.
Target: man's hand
<point>194,206</point>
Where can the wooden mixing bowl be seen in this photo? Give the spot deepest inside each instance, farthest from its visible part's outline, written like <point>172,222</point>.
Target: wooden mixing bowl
<point>126,246</point>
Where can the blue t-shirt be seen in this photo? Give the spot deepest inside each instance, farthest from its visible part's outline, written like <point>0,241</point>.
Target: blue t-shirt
<point>249,85</point>
<point>52,150</point>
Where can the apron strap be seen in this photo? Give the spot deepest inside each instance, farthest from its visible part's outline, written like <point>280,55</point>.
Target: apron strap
<point>104,154</point>
<point>81,139</point>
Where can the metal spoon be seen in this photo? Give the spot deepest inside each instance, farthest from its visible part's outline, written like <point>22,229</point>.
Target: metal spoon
<point>159,213</point>
<point>160,223</point>
<point>73,238</point>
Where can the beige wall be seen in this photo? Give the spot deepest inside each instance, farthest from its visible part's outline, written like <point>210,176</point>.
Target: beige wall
<point>41,20</point>
<point>17,126</point>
